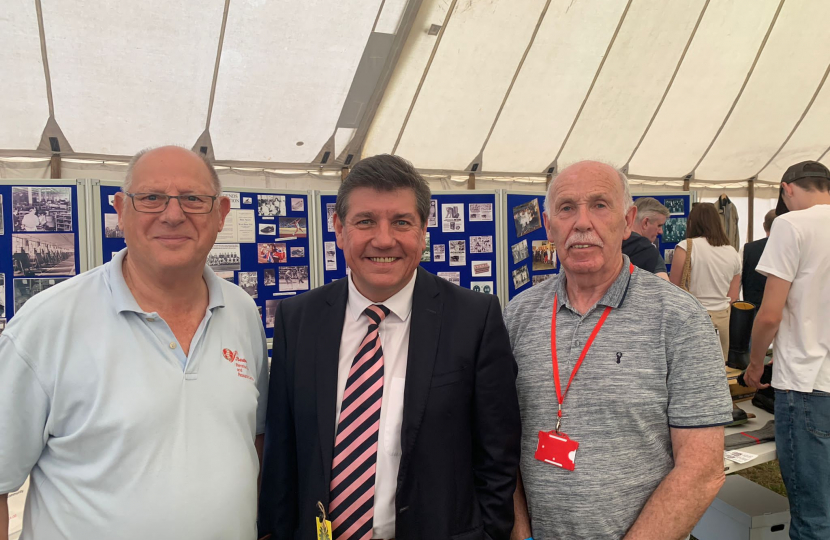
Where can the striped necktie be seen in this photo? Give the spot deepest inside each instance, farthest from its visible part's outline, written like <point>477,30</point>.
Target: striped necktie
<point>355,448</point>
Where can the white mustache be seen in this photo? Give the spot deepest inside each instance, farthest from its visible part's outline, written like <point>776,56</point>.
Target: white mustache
<point>583,238</point>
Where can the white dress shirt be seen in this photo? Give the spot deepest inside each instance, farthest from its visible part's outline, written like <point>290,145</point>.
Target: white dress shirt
<point>394,339</point>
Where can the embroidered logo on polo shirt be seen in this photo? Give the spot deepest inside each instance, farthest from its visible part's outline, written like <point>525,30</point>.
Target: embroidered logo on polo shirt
<point>241,364</point>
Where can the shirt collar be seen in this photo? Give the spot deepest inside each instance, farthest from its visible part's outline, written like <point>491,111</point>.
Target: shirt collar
<point>124,300</point>
<point>613,297</point>
<point>399,303</point>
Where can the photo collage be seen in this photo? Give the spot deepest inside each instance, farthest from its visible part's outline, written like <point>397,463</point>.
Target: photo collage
<point>532,256</point>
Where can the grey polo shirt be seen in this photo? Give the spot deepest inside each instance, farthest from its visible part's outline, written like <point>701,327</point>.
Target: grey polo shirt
<point>670,374</point>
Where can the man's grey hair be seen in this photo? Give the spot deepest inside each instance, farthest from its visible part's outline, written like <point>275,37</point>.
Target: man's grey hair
<point>216,184</point>
<point>649,207</point>
<point>628,201</point>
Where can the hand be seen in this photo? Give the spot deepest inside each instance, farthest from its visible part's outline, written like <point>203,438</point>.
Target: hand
<point>752,377</point>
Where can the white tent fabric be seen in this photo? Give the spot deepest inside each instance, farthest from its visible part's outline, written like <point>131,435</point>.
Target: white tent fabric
<point>718,91</point>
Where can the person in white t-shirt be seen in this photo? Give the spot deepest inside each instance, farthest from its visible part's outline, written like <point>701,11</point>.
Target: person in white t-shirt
<point>796,312</point>
<point>715,270</point>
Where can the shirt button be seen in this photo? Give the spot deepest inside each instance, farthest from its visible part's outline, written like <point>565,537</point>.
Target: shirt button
<point>172,344</point>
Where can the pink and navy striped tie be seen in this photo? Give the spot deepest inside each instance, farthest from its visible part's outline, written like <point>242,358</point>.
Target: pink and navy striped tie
<point>355,448</point>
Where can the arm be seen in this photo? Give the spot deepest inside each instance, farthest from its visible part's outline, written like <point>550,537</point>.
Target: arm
<point>687,491</point>
<point>662,275</point>
<point>521,523</point>
<point>4,517</point>
<point>259,443</point>
<point>765,327</point>
<point>677,265</point>
<point>734,288</point>
<point>496,426</point>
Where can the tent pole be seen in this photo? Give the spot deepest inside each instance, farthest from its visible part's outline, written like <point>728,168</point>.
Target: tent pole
<point>471,181</point>
<point>344,172</point>
<point>750,212</point>
<point>55,167</point>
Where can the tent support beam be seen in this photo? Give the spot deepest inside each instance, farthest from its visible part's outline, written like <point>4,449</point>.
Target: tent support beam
<point>743,86</point>
<point>823,154</point>
<point>45,58</point>
<point>216,65</point>
<point>471,181</point>
<point>344,172</point>
<point>671,82</point>
<point>55,167</point>
<point>750,209</point>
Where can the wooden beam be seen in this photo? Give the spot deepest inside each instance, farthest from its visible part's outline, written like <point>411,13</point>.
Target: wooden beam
<point>750,213</point>
<point>471,181</point>
<point>55,163</point>
<point>686,182</point>
<point>548,178</point>
<point>344,172</point>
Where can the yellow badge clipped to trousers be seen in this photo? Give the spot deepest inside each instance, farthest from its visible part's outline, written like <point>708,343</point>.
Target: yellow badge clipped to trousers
<point>323,525</point>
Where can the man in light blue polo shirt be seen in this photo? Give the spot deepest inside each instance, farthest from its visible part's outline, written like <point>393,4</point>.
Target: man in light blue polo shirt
<point>134,394</point>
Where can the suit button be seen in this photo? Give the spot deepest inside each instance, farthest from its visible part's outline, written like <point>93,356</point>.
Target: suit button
<point>402,510</point>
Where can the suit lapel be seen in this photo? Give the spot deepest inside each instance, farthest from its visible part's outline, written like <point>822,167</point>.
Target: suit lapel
<point>326,364</point>
<point>425,328</point>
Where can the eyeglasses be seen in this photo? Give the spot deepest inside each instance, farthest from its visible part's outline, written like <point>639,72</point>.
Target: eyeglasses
<point>156,203</point>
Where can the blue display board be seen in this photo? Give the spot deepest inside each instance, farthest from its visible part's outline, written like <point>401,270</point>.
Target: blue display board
<point>40,240</point>
<point>273,267</point>
<point>530,257</point>
<point>674,230</point>
<point>468,218</point>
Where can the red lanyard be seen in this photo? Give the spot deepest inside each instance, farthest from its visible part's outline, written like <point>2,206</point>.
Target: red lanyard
<point>560,396</point>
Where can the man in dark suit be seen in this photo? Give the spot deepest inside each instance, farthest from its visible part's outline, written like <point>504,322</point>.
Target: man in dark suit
<point>752,282</point>
<point>392,408</point>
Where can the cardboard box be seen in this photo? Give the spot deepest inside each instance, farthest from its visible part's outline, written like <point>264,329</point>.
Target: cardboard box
<point>743,510</point>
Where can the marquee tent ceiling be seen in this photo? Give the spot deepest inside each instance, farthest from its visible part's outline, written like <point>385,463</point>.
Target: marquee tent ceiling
<point>723,90</point>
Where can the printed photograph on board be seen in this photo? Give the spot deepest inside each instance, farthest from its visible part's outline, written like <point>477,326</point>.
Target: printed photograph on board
<point>271,311</point>
<point>271,205</point>
<point>481,211</point>
<point>439,252</point>
<point>674,229</point>
<point>485,287</point>
<point>668,256</point>
<point>297,252</point>
<point>270,253</point>
<point>452,218</point>
<point>330,217</point>
<point>2,325</point>
<point>452,277</point>
<point>330,251</point>
<point>111,228</point>
<point>248,282</point>
<point>224,257</point>
<point>519,251</point>
<point>676,207</point>
<point>293,227</point>
<point>24,289</point>
<point>481,244</point>
<point>425,255</point>
<point>482,268</point>
<point>293,278</point>
<point>267,229</point>
<point>269,277</point>
<point>297,205</point>
<point>41,209</point>
<point>521,277</point>
<point>432,221</point>
<point>227,275</point>
<point>43,254</point>
<point>539,278</point>
<point>544,255</point>
<point>2,295</point>
<point>458,252</point>
<point>2,221</point>
<point>526,217</point>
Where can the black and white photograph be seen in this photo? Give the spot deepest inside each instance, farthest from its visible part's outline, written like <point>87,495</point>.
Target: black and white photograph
<point>330,217</point>
<point>520,277</point>
<point>297,205</point>
<point>111,228</point>
<point>271,311</point>
<point>481,244</point>
<point>2,295</point>
<point>271,205</point>
<point>293,278</point>
<point>268,229</point>
<point>41,209</point>
<point>2,221</point>
<point>2,325</point>
<point>439,252</point>
<point>452,277</point>
<point>485,287</point>
<point>674,230</point>
<point>539,278</point>
<point>224,257</point>
<point>247,200</point>
<point>452,216</point>
<point>269,277</point>
<point>226,275</point>
<point>458,253</point>
<point>44,254</point>
<point>481,211</point>
<point>27,288</point>
<point>271,253</point>
<point>433,213</point>
<point>668,256</point>
<point>330,252</point>
<point>676,207</point>
<point>482,268</point>
<point>526,217</point>
<point>297,252</point>
<point>544,255</point>
<point>425,255</point>
<point>519,251</point>
<point>291,227</point>
<point>248,282</point>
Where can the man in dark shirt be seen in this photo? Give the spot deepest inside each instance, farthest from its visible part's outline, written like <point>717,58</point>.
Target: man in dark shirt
<point>651,215</point>
<point>752,282</point>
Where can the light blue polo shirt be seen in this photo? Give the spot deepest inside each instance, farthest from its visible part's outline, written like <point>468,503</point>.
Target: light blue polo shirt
<point>124,435</point>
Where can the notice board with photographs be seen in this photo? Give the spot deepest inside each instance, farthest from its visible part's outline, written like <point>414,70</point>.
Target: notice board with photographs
<point>264,246</point>
<point>42,238</point>
<point>531,258</point>
<point>462,244</point>
<point>674,230</point>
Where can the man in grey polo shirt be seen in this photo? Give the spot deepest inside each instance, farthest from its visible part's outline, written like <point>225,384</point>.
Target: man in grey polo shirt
<point>134,394</point>
<point>646,405</point>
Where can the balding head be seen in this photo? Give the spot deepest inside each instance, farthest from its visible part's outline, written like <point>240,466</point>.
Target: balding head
<point>168,153</point>
<point>593,169</point>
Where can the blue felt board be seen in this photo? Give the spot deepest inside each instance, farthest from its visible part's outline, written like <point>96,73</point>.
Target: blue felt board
<point>514,202</point>
<point>37,267</point>
<point>437,236</point>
